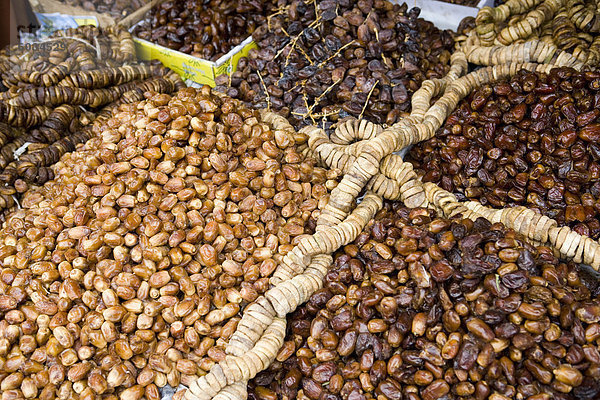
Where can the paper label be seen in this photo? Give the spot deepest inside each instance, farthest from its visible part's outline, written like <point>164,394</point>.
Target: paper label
<point>189,67</point>
<point>56,21</point>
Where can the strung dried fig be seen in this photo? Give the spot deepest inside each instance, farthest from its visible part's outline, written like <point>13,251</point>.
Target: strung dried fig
<point>570,25</point>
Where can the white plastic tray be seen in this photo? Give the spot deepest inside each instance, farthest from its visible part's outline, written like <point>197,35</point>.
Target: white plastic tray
<point>445,15</point>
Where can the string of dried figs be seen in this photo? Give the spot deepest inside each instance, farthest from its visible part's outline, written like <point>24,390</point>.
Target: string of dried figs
<point>571,25</point>
<point>23,118</point>
<point>25,157</point>
<point>128,271</point>
<point>116,8</point>
<point>575,29</point>
<point>322,61</point>
<point>76,49</point>
<point>57,95</point>
<point>531,140</point>
<point>422,307</point>
<point>205,29</point>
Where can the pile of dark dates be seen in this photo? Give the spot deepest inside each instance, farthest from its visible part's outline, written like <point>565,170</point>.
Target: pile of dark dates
<point>422,307</point>
<point>205,29</point>
<point>533,140</point>
<point>321,61</point>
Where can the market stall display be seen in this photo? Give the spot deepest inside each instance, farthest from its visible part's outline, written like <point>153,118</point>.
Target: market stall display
<point>422,307</point>
<point>265,239</point>
<point>128,270</point>
<point>319,62</point>
<point>531,140</point>
<point>54,90</point>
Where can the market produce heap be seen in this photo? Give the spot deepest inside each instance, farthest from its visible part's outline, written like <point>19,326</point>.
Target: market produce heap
<point>128,271</point>
<point>319,62</point>
<point>52,92</point>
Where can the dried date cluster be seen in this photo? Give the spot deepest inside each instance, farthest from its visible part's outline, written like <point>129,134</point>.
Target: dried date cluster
<point>321,61</point>
<point>50,98</point>
<point>533,140</point>
<point>128,271</point>
<point>420,307</point>
<point>205,29</point>
<point>116,8</point>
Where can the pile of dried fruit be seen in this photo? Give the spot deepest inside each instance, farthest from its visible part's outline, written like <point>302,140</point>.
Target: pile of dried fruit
<point>420,307</point>
<point>129,270</point>
<point>116,8</point>
<point>532,140</point>
<point>205,29</point>
<point>321,61</point>
<point>51,93</point>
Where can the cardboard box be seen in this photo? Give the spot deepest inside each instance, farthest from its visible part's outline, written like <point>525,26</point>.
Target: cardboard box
<point>446,15</point>
<point>193,68</point>
<point>188,67</point>
<point>15,17</point>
